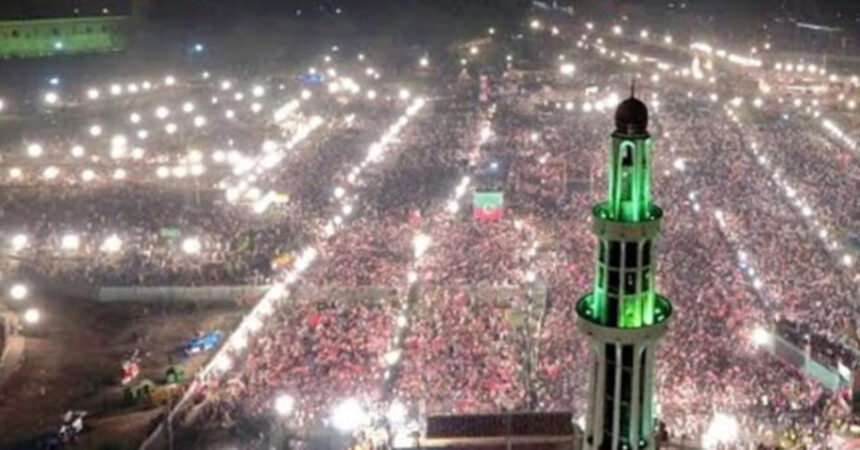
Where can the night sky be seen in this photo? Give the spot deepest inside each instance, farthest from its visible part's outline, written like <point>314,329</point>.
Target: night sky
<point>813,10</point>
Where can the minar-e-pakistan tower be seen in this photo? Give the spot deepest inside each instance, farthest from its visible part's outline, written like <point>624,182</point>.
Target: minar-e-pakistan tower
<point>622,315</point>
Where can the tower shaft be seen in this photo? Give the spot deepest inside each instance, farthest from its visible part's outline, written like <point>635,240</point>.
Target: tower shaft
<point>623,316</point>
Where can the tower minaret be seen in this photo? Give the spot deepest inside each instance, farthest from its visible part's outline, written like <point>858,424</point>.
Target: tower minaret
<point>622,316</point>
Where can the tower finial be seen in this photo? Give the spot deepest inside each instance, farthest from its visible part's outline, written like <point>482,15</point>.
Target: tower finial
<point>633,87</point>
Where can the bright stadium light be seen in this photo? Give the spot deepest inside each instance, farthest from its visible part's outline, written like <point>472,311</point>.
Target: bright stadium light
<point>760,337</point>
<point>95,131</point>
<point>112,244</point>
<point>723,429</point>
<point>88,175</point>
<point>70,242</point>
<point>197,170</point>
<point>188,107</point>
<point>239,341</point>
<point>134,118</point>
<point>162,112</point>
<point>392,357</point>
<point>118,141</point>
<point>15,173</point>
<point>34,150</point>
<point>258,91</point>
<point>535,24</point>
<point>51,173</point>
<point>453,206</point>
<point>191,246</point>
<point>52,98</point>
<point>224,363</point>
<point>93,93</point>
<point>169,80</point>
<point>284,405</point>
<point>349,416</point>
<point>170,128</point>
<point>396,413</point>
<point>32,316</point>
<point>115,89</point>
<point>567,69</point>
<point>254,323</point>
<point>420,243</point>
<point>424,62</point>
<point>19,241</point>
<point>19,291</point>
<point>119,174</point>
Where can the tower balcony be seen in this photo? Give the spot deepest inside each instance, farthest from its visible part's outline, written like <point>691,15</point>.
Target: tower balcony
<point>586,309</point>
<point>608,228</point>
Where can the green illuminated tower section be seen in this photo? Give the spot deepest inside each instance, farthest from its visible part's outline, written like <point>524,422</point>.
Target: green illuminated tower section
<point>623,316</point>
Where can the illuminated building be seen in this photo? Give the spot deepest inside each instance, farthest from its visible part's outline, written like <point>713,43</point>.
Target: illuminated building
<point>622,316</point>
<point>44,37</point>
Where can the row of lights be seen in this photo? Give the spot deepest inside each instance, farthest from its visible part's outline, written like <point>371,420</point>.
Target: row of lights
<point>71,243</point>
<point>345,414</point>
<point>52,98</point>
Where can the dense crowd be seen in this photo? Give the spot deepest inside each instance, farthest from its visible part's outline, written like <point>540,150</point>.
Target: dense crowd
<point>488,322</point>
<point>150,216</point>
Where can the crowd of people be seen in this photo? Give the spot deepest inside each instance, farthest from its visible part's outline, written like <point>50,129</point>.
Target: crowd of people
<point>489,324</point>
<point>319,348</point>
<point>105,231</point>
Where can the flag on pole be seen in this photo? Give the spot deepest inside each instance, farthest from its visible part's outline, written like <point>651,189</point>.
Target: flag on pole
<point>488,205</point>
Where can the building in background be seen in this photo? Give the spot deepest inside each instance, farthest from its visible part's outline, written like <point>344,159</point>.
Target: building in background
<point>90,31</point>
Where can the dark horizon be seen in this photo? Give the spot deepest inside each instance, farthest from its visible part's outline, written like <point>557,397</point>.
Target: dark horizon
<point>830,10</point>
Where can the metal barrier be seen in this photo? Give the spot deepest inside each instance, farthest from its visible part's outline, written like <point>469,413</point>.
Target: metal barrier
<point>178,293</point>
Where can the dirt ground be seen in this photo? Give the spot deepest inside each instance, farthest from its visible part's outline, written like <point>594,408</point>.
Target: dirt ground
<point>72,361</point>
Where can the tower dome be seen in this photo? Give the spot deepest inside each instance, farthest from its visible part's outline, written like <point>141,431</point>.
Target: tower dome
<point>631,117</point>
